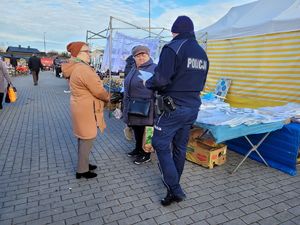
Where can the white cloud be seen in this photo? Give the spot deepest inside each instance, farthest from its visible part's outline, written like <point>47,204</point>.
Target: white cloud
<point>25,21</point>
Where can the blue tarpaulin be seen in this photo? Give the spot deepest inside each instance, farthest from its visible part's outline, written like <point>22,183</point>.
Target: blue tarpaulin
<point>280,149</point>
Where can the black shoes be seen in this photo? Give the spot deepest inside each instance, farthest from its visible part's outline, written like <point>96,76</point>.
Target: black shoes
<point>133,153</point>
<point>169,199</point>
<point>86,175</point>
<point>142,159</point>
<point>92,167</point>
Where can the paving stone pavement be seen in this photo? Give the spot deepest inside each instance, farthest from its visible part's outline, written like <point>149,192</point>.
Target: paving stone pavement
<point>38,186</point>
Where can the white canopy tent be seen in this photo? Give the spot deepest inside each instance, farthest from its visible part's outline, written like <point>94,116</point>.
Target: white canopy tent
<point>256,18</point>
<point>257,46</point>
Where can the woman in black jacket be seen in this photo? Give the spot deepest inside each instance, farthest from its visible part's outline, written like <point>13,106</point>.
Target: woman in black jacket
<point>134,89</point>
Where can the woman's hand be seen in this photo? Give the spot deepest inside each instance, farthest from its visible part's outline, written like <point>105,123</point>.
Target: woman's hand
<point>107,100</point>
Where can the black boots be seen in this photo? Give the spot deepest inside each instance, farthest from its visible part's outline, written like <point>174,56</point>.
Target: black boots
<point>86,175</point>
<point>170,198</point>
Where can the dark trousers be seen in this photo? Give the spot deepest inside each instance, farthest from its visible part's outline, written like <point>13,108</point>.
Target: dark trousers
<point>57,72</point>
<point>1,99</point>
<point>138,135</point>
<point>35,76</point>
<point>171,133</point>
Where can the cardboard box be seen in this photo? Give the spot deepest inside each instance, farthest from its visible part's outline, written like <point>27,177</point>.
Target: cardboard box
<point>203,136</point>
<point>199,152</point>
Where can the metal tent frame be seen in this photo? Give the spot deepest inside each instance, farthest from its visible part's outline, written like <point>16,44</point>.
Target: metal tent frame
<point>108,33</point>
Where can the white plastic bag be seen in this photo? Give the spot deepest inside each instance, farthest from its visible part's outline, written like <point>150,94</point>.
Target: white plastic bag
<point>117,113</point>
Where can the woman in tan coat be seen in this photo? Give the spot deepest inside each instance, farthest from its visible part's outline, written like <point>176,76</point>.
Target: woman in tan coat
<point>87,104</point>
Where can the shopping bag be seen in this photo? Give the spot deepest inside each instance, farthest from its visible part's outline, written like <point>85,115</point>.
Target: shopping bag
<point>7,100</point>
<point>12,93</point>
<point>147,139</point>
<point>117,113</point>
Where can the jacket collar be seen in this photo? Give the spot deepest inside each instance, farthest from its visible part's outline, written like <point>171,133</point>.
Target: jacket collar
<point>185,36</point>
<point>149,62</point>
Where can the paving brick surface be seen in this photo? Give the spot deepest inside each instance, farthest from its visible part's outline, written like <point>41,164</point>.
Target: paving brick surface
<point>38,156</point>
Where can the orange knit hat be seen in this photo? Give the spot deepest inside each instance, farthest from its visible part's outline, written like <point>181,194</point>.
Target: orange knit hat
<point>74,47</point>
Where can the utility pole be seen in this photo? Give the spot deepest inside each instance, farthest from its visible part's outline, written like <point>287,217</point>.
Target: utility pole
<point>45,42</point>
<point>149,20</point>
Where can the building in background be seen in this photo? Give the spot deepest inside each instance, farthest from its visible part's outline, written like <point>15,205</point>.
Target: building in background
<point>21,52</point>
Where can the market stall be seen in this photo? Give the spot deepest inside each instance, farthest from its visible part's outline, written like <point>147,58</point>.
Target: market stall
<point>22,67</point>
<point>257,47</point>
<point>240,127</point>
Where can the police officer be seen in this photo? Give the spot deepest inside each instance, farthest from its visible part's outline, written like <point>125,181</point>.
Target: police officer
<point>179,78</point>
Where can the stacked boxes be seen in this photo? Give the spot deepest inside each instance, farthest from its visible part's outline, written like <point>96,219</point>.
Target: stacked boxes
<point>203,150</point>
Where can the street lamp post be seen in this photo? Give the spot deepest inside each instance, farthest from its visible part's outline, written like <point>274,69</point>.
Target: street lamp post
<point>45,42</point>
<point>149,20</point>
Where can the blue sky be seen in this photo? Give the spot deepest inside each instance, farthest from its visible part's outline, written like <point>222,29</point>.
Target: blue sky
<point>26,22</point>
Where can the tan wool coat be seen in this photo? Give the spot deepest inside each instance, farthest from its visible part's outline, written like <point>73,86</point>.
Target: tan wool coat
<point>87,99</point>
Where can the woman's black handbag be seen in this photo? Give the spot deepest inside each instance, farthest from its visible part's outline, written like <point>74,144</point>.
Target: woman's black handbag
<point>139,107</point>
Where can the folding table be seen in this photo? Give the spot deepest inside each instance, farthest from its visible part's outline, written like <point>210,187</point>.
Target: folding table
<point>223,133</point>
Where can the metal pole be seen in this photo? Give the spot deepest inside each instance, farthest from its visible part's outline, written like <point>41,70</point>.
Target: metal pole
<point>110,52</point>
<point>149,20</point>
<point>206,34</point>
<point>141,28</point>
<point>45,42</point>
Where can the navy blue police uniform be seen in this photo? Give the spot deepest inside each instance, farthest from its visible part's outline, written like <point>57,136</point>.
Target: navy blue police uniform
<point>181,74</point>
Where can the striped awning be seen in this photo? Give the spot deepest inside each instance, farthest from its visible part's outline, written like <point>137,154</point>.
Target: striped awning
<point>264,69</point>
